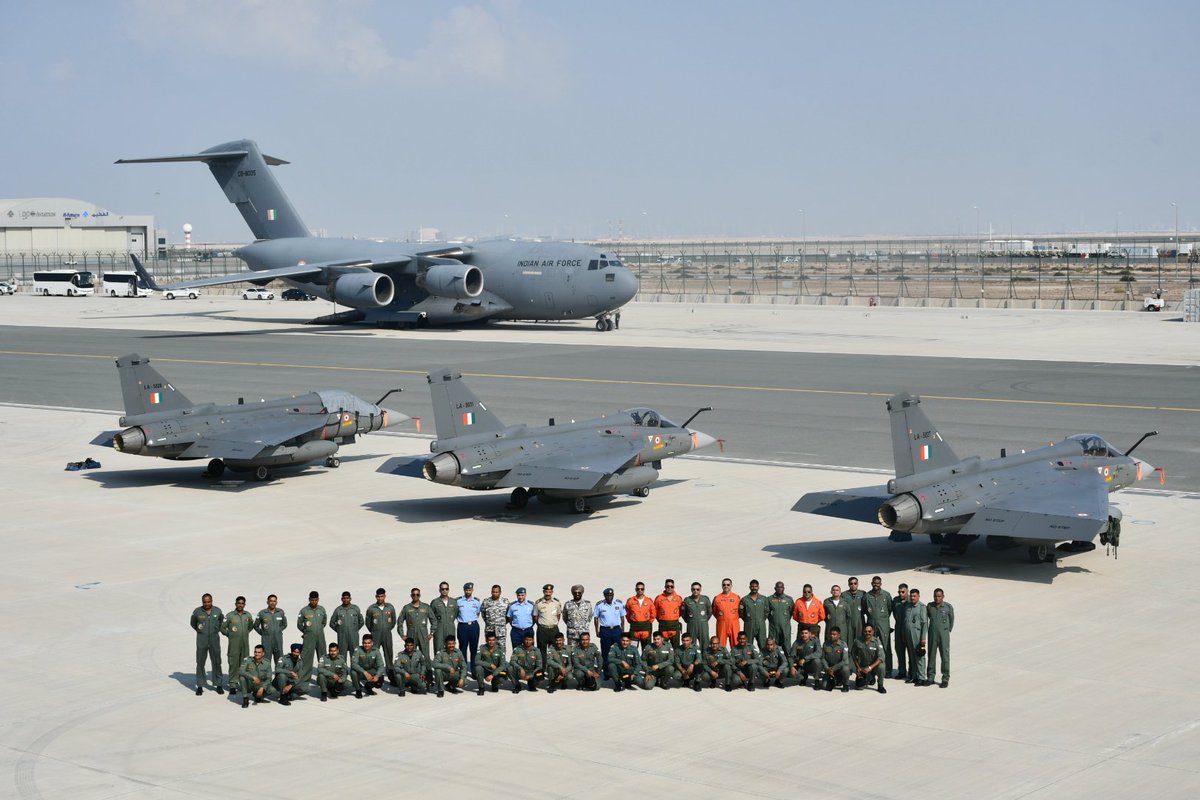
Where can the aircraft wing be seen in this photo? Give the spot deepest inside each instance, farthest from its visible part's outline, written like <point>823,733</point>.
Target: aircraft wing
<point>298,271</point>
<point>246,439</point>
<point>860,504</point>
<point>553,478</point>
<point>1064,505</point>
<point>104,439</point>
<point>578,468</point>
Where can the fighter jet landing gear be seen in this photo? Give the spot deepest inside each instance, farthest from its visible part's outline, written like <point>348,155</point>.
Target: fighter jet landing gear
<point>955,544</point>
<point>261,473</point>
<point>519,497</point>
<point>216,468</point>
<point>604,323</point>
<point>333,462</point>
<point>1039,553</point>
<point>579,505</point>
<point>641,491</point>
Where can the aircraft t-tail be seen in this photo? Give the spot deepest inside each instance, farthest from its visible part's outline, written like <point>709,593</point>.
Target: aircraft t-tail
<point>615,454</point>
<point>249,437</point>
<point>405,284</point>
<point>1039,499</point>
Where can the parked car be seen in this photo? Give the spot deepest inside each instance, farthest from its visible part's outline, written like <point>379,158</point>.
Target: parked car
<point>7,287</point>
<point>297,294</point>
<point>257,293</point>
<point>171,294</point>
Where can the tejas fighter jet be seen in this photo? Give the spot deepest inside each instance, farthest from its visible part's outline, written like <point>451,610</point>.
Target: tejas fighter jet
<point>253,437</point>
<point>388,283</point>
<point>610,455</point>
<point>1037,498</point>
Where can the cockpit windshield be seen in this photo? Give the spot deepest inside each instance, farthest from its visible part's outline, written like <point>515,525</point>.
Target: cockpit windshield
<point>1094,445</point>
<point>649,418</point>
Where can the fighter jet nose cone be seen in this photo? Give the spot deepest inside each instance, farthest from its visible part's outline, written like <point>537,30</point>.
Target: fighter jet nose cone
<point>391,417</point>
<point>701,439</point>
<point>1144,469</point>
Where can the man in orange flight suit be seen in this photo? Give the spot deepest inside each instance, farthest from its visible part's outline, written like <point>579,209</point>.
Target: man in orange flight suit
<point>809,612</point>
<point>725,609</point>
<point>639,610</point>
<point>667,608</point>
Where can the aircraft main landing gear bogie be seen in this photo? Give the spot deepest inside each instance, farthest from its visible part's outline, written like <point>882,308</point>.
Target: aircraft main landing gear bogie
<point>604,324</point>
<point>261,473</point>
<point>579,505</point>
<point>1039,553</point>
<point>216,468</point>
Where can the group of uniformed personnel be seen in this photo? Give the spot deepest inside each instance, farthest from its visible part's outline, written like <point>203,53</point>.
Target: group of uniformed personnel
<point>643,642</point>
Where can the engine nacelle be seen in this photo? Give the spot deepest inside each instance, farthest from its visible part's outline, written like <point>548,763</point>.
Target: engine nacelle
<point>902,513</point>
<point>442,468</point>
<point>362,289</point>
<point>130,440</point>
<point>455,281</point>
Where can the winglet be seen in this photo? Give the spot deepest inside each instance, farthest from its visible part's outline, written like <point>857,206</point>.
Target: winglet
<point>144,274</point>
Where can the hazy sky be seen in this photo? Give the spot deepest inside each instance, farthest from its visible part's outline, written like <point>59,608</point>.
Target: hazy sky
<point>579,119</point>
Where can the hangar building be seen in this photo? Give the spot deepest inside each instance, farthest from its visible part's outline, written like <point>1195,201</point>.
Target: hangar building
<point>38,226</point>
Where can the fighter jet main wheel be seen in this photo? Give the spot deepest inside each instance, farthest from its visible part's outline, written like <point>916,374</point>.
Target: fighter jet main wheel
<point>641,491</point>
<point>1039,553</point>
<point>519,497</point>
<point>333,462</point>
<point>261,473</point>
<point>579,505</point>
<point>216,468</point>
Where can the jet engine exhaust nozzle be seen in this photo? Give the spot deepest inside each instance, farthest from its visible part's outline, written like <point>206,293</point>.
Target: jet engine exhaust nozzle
<point>130,440</point>
<point>442,468</point>
<point>901,513</point>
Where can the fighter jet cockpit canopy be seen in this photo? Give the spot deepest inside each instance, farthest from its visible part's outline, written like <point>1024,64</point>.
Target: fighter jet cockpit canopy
<point>1094,445</point>
<point>649,418</point>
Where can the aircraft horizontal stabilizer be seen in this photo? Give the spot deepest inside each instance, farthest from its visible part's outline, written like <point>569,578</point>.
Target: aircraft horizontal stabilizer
<point>206,157</point>
<point>861,504</point>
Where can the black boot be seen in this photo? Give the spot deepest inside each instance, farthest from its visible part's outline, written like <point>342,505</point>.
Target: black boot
<point>220,690</point>
<point>324,696</point>
<point>358,693</point>
<point>246,701</point>
<point>199,690</point>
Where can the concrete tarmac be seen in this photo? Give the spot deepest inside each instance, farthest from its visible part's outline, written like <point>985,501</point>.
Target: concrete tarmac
<point>1057,689</point>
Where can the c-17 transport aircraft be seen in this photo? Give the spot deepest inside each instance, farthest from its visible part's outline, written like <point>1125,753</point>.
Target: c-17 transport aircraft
<point>1038,498</point>
<point>609,455</point>
<point>252,437</point>
<point>399,284</point>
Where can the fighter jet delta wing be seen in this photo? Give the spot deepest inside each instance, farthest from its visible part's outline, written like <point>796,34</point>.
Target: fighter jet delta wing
<point>247,436</point>
<point>595,465</point>
<point>1060,504</point>
<point>860,504</point>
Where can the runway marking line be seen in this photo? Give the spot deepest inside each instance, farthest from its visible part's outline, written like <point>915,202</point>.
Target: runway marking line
<point>617,382</point>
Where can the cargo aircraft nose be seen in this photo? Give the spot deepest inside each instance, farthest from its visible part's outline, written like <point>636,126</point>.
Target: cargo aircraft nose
<point>626,287</point>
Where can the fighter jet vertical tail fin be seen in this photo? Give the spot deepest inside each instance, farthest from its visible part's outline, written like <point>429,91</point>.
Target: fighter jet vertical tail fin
<point>916,444</point>
<point>241,170</point>
<point>456,410</point>
<point>144,390</point>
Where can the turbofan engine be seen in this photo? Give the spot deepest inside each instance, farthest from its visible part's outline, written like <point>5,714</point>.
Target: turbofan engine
<point>901,513</point>
<point>362,289</point>
<point>457,281</point>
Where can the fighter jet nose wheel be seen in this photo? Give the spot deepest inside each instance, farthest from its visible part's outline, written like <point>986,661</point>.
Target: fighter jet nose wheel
<point>518,498</point>
<point>261,473</point>
<point>333,462</point>
<point>1039,553</point>
<point>641,491</point>
<point>579,505</point>
<point>216,468</point>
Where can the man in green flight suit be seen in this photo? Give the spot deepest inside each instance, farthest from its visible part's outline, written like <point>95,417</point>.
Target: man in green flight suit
<point>237,626</point>
<point>835,661</point>
<point>526,665</point>
<point>806,658</point>
<point>877,607</point>
<point>696,612</point>
<point>837,612</point>
<point>346,621</point>
<point>585,664</point>
<point>270,624</point>
<point>290,678</point>
<point>717,666</point>
<point>623,663</point>
<point>333,674</point>
<point>410,669</point>
<point>779,618</point>
<point>448,668</point>
<point>206,622</point>
<point>490,664</point>
<point>658,663</point>
<point>776,663</point>
<point>367,667</point>
<point>870,659</point>
<point>311,624</point>
<point>899,604</point>
<point>689,660</point>
<point>753,612</point>
<point>854,596</point>
<point>380,618</point>
<point>255,677</point>
<point>916,637</point>
<point>443,612</point>
<point>558,663</point>
<point>416,618</point>
<point>941,622</point>
<point>747,662</point>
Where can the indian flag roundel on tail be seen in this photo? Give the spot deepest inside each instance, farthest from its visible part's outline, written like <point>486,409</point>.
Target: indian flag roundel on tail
<point>155,398</point>
<point>468,418</point>
<point>926,452</point>
<point>270,215</point>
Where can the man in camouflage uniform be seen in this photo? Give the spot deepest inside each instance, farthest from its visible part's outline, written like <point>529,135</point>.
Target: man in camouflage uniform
<point>877,607</point>
<point>526,665</point>
<point>270,624</point>
<point>333,674</point>
<point>495,620</point>
<point>623,663</point>
<point>206,622</point>
<point>237,626</point>
<point>779,617</point>
<point>689,660</point>
<point>416,618</point>
<point>448,668</point>
<point>490,664</point>
<point>870,660</point>
<point>916,637</point>
<point>410,668</point>
<point>558,664</point>
<point>380,619</point>
<point>746,660</point>
<point>718,666</point>
<point>697,611</point>
<point>346,621</point>
<point>578,614</point>
<point>835,661</point>
<point>806,658</point>
<point>443,612</point>
<point>752,610</point>
<point>290,679</point>
<point>941,622</point>
<point>367,668</point>
<point>776,663</point>
<point>585,664</point>
<point>658,663</point>
<point>254,677</point>
<point>311,624</point>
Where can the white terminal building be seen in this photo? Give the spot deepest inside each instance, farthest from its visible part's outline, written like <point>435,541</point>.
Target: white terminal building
<point>60,225</point>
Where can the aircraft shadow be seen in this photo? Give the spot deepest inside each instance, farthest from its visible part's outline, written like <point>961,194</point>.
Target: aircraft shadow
<point>869,556</point>
<point>494,507</point>
<point>190,479</point>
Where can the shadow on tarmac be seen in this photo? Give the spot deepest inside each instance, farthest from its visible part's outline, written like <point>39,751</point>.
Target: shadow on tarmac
<point>494,507</point>
<point>192,478</point>
<point>869,556</point>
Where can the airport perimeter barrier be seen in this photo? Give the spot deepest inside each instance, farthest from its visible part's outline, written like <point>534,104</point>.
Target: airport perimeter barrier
<point>1112,273</point>
<point>1191,305</point>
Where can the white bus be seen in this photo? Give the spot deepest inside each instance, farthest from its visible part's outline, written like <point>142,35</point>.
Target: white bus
<point>124,284</point>
<point>69,282</point>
